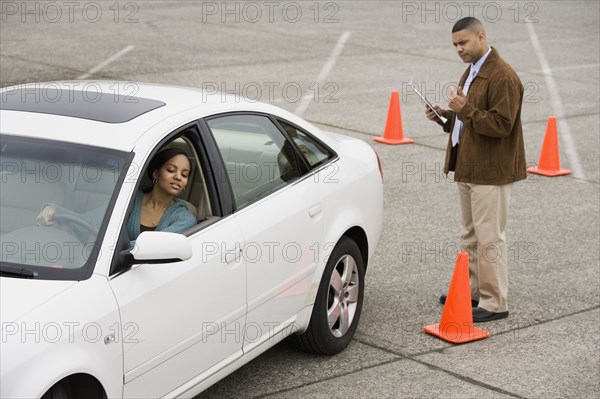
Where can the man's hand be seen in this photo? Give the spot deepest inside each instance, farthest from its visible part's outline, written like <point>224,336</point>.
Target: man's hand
<point>457,100</point>
<point>431,115</point>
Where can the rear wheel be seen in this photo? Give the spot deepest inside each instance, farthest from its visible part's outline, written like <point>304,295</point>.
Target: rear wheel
<point>338,304</point>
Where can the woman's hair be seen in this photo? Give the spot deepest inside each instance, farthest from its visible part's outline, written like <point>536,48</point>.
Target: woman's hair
<point>159,160</point>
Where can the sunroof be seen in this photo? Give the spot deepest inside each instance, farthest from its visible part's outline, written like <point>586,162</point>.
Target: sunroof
<point>94,105</point>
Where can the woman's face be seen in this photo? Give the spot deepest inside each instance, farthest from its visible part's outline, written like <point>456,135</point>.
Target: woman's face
<point>172,177</point>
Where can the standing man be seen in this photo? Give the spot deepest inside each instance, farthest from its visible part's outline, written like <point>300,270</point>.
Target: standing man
<point>487,154</point>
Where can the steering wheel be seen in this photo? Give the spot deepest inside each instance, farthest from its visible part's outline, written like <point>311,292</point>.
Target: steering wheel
<point>79,221</point>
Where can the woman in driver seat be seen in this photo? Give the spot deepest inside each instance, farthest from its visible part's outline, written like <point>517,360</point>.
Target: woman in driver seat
<point>155,208</point>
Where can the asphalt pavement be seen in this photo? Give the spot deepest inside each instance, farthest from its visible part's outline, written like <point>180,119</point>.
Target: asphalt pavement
<point>336,63</point>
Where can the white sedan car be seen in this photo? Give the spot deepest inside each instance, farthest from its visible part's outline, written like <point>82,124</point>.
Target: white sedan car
<point>288,217</point>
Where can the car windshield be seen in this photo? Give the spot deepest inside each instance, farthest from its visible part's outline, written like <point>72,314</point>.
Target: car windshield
<point>54,201</point>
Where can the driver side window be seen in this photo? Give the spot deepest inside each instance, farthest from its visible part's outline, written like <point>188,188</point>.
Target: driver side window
<point>172,194</point>
<point>194,196</point>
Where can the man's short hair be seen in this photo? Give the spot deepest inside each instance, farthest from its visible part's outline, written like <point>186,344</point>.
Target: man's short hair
<point>470,23</point>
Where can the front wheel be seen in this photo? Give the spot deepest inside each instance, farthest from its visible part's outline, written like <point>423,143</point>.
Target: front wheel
<point>339,302</point>
<point>61,390</point>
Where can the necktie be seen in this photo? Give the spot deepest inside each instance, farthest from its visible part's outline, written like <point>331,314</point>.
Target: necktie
<point>457,123</point>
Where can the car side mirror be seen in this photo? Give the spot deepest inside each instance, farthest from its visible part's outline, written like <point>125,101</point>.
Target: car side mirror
<point>160,247</point>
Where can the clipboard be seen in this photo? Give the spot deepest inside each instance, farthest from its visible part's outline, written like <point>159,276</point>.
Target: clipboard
<point>414,87</point>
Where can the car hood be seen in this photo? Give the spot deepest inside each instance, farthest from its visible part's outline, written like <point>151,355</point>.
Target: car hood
<point>20,296</point>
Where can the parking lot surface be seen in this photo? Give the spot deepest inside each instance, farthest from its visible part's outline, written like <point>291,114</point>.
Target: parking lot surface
<point>336,63</point>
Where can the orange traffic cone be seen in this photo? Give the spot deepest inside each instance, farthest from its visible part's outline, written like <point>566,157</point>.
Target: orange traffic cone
<point>456,325</point>
<point>393,125</point>
<point>549,164</point>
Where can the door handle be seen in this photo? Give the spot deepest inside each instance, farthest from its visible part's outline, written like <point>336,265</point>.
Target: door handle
<point>232,255</point>
<point>315,210</point>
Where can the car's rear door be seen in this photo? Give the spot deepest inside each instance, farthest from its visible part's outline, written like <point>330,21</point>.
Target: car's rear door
<point>280,210</point>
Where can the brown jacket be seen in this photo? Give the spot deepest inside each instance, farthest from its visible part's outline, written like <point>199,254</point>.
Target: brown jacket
<point>491,149</point>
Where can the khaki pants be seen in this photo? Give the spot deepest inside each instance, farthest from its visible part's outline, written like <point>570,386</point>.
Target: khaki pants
<point>484,214</point>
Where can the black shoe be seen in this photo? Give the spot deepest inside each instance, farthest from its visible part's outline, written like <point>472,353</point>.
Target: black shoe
<point>474,303</point>
<point>481,315</point>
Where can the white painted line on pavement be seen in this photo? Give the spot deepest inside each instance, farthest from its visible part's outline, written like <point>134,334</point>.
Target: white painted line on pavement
<point>337,50</point>
<point>570,68</point>
<point>564,130</point>
<point>105,63</point>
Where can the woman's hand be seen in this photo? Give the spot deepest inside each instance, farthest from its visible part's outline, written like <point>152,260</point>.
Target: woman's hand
<point>46,216</point>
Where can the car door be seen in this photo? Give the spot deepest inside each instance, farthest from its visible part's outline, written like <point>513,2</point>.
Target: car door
<point>280,208</point>
<point>182,319</point>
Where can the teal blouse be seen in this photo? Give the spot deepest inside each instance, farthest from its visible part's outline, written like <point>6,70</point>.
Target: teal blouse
<point>176,218</point>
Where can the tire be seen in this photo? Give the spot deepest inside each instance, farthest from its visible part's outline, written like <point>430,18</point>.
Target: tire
<point>338,305</point>
<point>61,390</point>
<point>76,386</point>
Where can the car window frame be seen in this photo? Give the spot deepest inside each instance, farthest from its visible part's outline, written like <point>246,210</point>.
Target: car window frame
<point>333,154</point>
<point>301,162</point>
<point>222,186</point>
<point>216,200</point>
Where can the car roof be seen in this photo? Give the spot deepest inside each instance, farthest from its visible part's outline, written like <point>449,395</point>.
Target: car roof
<point>107,113</point>
<point>116,108</point>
